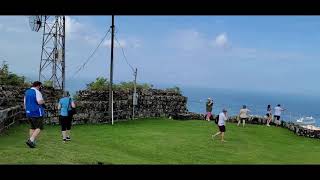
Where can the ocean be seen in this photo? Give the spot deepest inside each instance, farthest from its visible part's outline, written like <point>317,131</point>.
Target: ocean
<point>296,106</point>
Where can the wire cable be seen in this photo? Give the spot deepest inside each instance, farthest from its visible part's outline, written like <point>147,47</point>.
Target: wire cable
<point>125,58</point>
<point>95,50</point>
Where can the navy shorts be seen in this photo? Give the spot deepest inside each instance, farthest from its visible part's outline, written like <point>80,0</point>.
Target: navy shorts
<point>35,122</point>
<point>222,128</point>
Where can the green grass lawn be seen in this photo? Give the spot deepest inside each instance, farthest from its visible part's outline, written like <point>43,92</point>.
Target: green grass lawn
<point>160,141</point>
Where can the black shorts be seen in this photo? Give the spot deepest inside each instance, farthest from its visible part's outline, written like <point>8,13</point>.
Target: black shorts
<point>268,114</point>
<point>243,119</point>
<point>35,122</point>
<point>65,122</point>
<point>277,117</point>
<point>222,128</point>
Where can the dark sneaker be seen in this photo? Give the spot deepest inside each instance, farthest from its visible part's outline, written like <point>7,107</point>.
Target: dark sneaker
<point>30,144</point>
<point>68,139</point>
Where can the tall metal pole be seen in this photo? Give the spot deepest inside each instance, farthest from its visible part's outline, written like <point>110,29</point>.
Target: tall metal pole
<point>63,53</point>
<point>55,51</point>
<point>111,73</point>
<point>134,100</point>
<point>43,19</point>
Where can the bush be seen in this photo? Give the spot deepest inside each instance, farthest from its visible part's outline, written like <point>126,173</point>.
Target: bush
<point>48,83</point>
<point>103,84</point>
<point>8,78</point>
<point>100,84</point>
<point>175,89</point>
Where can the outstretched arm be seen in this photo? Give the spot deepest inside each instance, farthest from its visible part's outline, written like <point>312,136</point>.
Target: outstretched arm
<point>24,102</point>
<point>73,105</point>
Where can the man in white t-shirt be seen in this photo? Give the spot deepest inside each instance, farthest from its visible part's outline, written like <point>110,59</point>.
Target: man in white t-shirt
<point>34,107</point>
<point>221,124</point>
<point>277,114</point>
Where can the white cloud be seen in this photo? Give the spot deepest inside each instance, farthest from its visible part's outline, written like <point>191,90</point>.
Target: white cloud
<point>73,26</point>
<point>221,40</point>
<point>194,42</point>
<point>188,40</point>
<point>14,29</point>
<point>122,43</point>
<point>136,43</point>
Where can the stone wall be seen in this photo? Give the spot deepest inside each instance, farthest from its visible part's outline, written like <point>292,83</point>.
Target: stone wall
<point>92,106</point>
<point>9,116</point>
<point>11,104</point>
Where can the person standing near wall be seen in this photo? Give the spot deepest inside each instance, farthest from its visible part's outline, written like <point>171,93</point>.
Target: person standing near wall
<point>34,107</point>
<point>221,124</point>
<point>243,115</point>
<point>209,105</point>
<point>65,117</point>
<point>269,115</point>
<point>277,114</point>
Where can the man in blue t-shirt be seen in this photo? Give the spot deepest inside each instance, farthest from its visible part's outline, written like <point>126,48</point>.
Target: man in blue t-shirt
<point>34,107</point>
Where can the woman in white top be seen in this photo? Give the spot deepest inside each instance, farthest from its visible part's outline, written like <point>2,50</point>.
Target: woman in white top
<point>243,115</point>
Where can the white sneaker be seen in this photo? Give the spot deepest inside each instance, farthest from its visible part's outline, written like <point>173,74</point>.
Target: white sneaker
<point>268,125</point>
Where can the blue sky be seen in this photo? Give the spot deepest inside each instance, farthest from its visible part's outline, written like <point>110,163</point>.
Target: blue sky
<point>262,53</point>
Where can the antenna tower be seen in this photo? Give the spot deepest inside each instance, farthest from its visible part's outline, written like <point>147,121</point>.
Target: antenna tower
<point>52,63</point>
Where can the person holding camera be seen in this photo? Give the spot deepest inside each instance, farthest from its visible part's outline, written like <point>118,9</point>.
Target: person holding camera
<point>66,106</point>
<point>222,118</point>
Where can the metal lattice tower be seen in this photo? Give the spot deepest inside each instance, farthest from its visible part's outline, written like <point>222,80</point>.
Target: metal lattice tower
<point>52,64</point>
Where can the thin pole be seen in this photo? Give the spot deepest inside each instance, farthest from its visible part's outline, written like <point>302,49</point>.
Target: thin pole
<point>43,42</point>
<point>111,73</point>
<point>63,53</point>
<point>134,92</point>
<point>55,60</point>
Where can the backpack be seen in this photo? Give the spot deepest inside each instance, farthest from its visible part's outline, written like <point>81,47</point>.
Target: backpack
<point>72,111</point>
<point>217,119</point>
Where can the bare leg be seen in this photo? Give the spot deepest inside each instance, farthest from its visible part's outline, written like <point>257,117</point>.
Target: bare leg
<point>68,133</point>
<point>243,123</point>
<point>270,119</point>
<point>64,134</point>
<point>31,132</point>
<point>239,121</point>
<point>213,136</point>
<point>222,137</point>
<point>35,135</point>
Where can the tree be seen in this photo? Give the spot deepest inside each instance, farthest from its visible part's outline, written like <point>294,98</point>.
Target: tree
<point>48,83</point>
<point>8,78</point>
<point>102,83</point>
